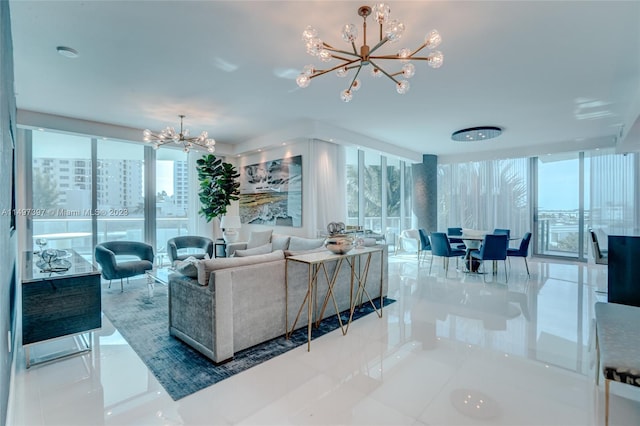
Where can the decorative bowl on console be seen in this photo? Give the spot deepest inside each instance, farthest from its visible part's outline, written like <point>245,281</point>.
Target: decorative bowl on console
<point>339,243</point>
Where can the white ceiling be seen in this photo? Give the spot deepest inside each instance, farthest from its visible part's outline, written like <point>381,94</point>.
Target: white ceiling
<point>552,74</point>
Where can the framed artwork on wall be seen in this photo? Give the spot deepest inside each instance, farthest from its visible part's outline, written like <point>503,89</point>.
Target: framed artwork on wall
<point>271,192</point>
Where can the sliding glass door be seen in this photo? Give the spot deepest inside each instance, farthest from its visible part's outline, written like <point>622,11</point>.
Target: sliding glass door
<point>560,201</point>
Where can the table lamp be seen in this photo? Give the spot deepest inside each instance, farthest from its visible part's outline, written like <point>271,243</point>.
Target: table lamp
<point>230,226</point>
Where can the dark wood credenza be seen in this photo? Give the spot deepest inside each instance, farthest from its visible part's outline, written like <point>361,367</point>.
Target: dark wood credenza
<point>59,304</point>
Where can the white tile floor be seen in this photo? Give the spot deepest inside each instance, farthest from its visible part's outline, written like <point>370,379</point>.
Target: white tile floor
<point>450,351</point>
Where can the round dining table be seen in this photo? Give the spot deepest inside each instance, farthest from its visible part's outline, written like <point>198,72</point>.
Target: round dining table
<point>473,242</point>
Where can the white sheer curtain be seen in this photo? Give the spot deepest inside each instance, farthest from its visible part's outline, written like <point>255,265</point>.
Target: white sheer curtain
<point>612,192</point>
<point>484,195</point>
<point>326,195</point>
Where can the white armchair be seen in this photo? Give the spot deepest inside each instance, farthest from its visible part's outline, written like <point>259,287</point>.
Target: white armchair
<point>409,241</point>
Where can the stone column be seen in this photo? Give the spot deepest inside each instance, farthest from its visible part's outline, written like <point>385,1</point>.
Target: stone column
<point>425,193</point>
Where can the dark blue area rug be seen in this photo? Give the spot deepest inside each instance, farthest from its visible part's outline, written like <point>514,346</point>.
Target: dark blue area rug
<point>143,322</point>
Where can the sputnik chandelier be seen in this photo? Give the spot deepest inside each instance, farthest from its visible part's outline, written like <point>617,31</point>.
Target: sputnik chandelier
<point>169,135</point>
<point>391,30</point>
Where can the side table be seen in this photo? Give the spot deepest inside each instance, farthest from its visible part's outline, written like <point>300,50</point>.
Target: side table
<point>59,304</point>
<point>220,248</point>
<point>157,275</point>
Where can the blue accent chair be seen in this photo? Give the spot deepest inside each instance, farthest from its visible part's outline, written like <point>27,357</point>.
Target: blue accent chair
<point>494,247</point>
<point>440,247</point>
<point>522,251</point>
<point>186,242</point>
<point>425,244</point>
<point>112,268</point>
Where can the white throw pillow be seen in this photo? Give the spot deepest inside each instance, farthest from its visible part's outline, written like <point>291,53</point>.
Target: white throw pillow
<point>264,249</point>
<point>298,243</point>
<point>280,242</point>
<point>259,238</point>
<point>205,267</point>
<point>187,267</point>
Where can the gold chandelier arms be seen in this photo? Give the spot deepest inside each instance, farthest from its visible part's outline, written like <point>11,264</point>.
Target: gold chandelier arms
<point>169,135</point>
<point>390,30</point>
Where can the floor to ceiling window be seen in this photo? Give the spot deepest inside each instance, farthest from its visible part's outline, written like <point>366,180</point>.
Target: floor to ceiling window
<point>378,193</point>
<point>120,191</point>
<point>484,195</point>
<point>61,172</point>
<point>559,205</point>
<point>172,197</point>
<point>372,192</point>
<point>85,190</point>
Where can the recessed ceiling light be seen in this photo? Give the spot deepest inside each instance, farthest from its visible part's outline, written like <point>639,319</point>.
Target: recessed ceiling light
<point>67,52</point>
<point>476,134</point>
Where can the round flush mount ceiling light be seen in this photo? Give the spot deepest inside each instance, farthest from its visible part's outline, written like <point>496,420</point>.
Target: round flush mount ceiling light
<point>476,134</point>
<point>67,52</point>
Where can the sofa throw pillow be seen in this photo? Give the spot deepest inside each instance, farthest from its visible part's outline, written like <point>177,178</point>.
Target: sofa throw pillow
<point>264,249</point>
<point>289,253</point>
<point>205,267</point>
<point>259,238</point>
<point>187,267</point>
<point>280,242</point>
<point>298,243</point>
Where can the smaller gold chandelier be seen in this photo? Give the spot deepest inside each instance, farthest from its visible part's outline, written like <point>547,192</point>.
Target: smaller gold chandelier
<point>391,30</point>
<point>169,135</point>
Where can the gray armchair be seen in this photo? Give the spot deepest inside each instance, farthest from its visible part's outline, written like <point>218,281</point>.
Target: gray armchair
<point>189,241</point>
<point>105,255</point>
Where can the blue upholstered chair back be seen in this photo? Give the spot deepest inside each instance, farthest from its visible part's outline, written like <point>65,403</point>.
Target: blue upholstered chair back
<point>425,244</point>
<point>454,231</point>
<point>189,241</point>
<point>523,250</point>
<point>440,244</point>
<point>506,232</point>
<point>494,247</point>
<point>105,255</point>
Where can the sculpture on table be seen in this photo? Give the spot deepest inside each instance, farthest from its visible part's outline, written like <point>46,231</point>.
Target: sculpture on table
<point>338,242</point>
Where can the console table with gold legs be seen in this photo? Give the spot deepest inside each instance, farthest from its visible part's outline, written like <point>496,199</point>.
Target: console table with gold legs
<point>358,261</point>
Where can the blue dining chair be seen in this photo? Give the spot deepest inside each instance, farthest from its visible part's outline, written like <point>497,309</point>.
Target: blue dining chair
<point>459,244</point>
<point>425,245</point>
<point>506,232</point>
<point>522,251</point>
<point>440,247</point>
<point>494,247</point>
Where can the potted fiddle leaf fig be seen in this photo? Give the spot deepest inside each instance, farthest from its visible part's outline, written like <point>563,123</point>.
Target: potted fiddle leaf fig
<point>219,186</point>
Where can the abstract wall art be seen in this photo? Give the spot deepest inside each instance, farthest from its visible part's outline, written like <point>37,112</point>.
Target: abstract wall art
<point>271,192</point>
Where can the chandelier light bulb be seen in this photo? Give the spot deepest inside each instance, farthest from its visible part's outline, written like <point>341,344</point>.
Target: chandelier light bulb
<point>303,80</point>
<point>314,46</point>
<point>349,33</point>
<point>354,58</point>
<point>394,30</point>
<point>403,87</point>
<point>346,95</point>
<point>309,33</point>
<point>433,39</point>
<point>408,70</point>
<point>381,12</point>
<point>308,70</point>
<point>435,59</point>
<point>404,54</point>
<point>324,55</point>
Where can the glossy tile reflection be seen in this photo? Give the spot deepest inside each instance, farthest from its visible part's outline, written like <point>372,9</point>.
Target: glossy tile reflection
<point>449,351</point>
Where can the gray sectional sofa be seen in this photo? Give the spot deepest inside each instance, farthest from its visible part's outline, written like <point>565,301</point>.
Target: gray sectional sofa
<point>239,302</point>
